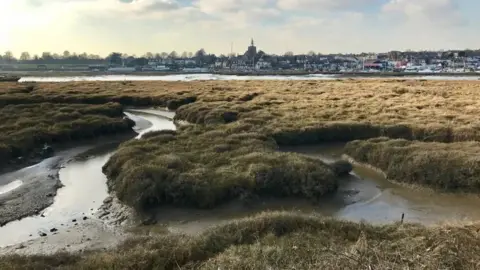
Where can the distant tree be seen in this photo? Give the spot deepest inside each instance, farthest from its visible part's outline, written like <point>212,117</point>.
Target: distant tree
<point>184,55</point>
<point>114,58</point>
<point>46,56</point>
<point>8,57</point>
<point>164,55</point>
<point>25,56</point>
<point>190,55</point>
<point>200,54</point>
<point>149,55</point>
<point>158,56</point>
<point>94,57</point>
<point>209,59</point>
<point>173,55</point>
<point>142,61</point>
<point>289,53</point>
<point>66,54</point>
<point>35,57</point>
<point>311,53</point>
<point>56,56</point>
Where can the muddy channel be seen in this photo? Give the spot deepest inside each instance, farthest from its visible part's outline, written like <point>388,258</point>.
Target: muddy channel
<point>77,217</point>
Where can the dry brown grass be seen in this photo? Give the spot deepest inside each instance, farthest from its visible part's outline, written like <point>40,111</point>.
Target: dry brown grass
<point>24,128</point>
<point>292,112</point>
<point>282,241</point>
<point>443,166</point>
<point>205,166</point>
<point>431,110</point>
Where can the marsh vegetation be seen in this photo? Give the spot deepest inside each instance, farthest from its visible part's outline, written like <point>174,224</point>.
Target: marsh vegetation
<point>419,132</point>
<point>281,241</point>
<point>25,128</point>
<point>205,166</point>
<point>442,166</point>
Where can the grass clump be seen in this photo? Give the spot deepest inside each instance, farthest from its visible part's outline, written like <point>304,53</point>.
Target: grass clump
<point>443,166</point>
<point>25,128</point>
<point>282,240</point>
<point>203,166</point>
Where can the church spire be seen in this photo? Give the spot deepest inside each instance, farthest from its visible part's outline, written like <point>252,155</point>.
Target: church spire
<point>252,42</point>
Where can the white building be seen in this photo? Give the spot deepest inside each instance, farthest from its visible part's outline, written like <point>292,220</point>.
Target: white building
<point>262,64</point>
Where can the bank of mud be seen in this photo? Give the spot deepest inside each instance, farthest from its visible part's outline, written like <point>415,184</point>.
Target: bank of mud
<point>36,192</point>
<point>40,182</point>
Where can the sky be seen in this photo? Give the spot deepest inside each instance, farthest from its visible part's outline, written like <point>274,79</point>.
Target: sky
<point>277,26</point>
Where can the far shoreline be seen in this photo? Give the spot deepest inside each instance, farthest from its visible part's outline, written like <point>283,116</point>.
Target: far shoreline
<point>339,75</point>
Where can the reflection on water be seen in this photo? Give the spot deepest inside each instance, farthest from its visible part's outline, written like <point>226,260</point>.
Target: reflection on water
<point>391,200</point>
<point>158,120</point>
<point>215,77</point>
<point>84,191</point>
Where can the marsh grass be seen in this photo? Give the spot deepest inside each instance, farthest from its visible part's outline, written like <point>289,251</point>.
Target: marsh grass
<point>293,112</point>
<point>281,240</point>
<point>442,166</point>
<point>231,153</point>
<point>25,128</point>
<point>204,166</point>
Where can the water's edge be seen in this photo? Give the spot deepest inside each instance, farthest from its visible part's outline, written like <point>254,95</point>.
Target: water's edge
<point>222,77</point>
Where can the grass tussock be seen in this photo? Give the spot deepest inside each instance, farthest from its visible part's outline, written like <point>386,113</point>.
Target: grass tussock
<point>282,241</point>
<point>444,166</point>
<point>24,128</point>
<point>203,166</point>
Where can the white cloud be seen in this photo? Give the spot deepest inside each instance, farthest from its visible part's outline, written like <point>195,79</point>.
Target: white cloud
<point>324,5</point>
<point>438,12</point>
<point>218,6</point>
<point>137,26</point>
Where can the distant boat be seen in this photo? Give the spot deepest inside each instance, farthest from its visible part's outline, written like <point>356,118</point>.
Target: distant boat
<point>9,79</point>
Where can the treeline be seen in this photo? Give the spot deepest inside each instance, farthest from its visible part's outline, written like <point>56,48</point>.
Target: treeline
<point>113,58</point>
<point>201,57</point>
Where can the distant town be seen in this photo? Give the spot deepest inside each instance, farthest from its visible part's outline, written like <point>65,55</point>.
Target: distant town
<point>252,60</point>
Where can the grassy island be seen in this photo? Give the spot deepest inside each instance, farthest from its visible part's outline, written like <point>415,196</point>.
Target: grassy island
<point>205,166</point>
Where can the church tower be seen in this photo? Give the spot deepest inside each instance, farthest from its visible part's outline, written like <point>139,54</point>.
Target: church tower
<point>252,50</point>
